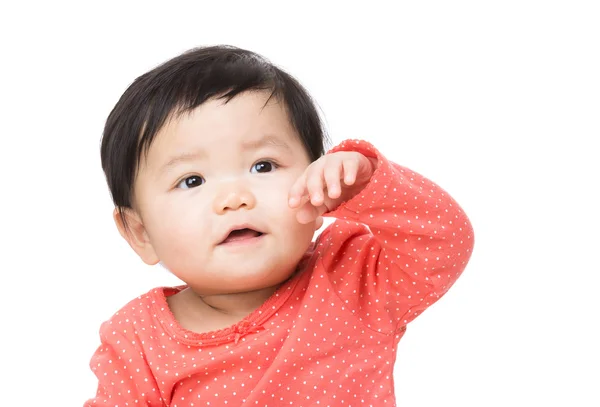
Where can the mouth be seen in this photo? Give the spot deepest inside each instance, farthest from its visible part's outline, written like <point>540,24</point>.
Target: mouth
<point>241,234</point>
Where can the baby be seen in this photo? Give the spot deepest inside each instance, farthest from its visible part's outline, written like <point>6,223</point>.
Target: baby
<point>216,164</point>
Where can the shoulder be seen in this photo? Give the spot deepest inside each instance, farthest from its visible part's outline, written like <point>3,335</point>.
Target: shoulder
<point>139,312</point>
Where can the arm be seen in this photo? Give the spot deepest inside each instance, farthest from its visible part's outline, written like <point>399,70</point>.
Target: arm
<point>416,244</point>
<point>124,377</point>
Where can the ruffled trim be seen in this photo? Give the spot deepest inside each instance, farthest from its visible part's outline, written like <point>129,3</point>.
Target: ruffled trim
<point>252,323</point>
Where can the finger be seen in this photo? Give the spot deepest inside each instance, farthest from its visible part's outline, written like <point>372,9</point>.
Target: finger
<point>318,223</point>
<point>350,170</point>
<point>298,191</point>
<point>307,213</point>
<point>332,174</point>
<point>314,184</point>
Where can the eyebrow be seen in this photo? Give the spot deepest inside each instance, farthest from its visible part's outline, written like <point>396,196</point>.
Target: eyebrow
<point>182,158</point>
<point>265,141</point>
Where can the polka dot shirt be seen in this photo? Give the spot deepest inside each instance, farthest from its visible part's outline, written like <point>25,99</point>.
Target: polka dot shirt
<point>327,337</point>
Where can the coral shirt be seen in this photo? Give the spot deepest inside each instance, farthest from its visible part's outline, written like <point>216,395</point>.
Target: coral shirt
<point>327,337</point>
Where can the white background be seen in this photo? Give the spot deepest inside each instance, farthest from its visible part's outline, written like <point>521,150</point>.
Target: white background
<point>498,102</point>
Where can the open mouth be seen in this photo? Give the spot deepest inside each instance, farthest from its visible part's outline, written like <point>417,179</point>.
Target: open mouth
<point>241,235</point>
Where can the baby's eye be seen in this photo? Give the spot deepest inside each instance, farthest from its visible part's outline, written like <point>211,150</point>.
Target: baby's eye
<point>263,166</point>
<point>191,182</point>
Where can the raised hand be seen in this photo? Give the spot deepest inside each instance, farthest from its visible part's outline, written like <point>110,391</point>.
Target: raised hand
<point>329,181</point>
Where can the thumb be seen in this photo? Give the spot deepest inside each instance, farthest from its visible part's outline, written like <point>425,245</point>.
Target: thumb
<point>319,223</point>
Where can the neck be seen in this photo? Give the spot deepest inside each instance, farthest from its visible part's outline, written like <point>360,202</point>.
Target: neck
<point>237,304</point>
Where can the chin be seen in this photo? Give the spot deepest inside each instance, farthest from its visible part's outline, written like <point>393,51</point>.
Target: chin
<point>260,279</point>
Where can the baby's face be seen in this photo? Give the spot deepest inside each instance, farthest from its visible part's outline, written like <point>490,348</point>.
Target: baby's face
<point>213,195</point>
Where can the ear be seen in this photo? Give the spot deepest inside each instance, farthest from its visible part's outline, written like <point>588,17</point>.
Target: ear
<point>135,234</point>
<point>318,223</point>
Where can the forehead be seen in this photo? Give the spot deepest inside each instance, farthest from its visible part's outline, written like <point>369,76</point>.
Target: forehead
<point>249,120</point>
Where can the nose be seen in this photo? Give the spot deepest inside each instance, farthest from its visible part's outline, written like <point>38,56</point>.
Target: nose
<point>233,196</point>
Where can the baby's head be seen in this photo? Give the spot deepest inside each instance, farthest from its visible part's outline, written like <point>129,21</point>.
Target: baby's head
<point>199,155</point>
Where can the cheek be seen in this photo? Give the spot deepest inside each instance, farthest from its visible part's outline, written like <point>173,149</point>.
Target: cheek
<point>278,188</point>
<point>273,198</point>
<point>286,223</point>
<point>296,239</point>
<point>178,219</point>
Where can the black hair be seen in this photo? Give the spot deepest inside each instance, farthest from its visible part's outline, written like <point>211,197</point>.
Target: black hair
<point>180,85</point>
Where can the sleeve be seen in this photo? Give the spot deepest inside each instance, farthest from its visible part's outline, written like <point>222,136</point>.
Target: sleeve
<point>124,377</point>
<point>396,247</point>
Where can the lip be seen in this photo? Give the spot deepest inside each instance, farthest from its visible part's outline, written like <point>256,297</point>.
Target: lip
<point>240,242</point>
